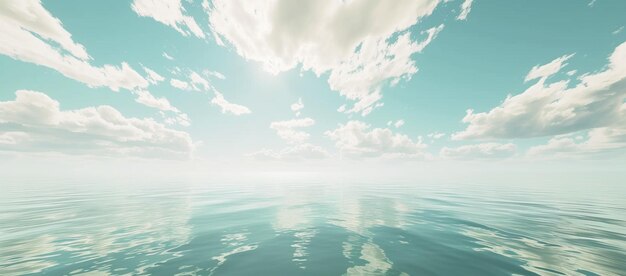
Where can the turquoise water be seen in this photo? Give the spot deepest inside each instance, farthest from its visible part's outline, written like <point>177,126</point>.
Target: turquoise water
<point>174,228</point>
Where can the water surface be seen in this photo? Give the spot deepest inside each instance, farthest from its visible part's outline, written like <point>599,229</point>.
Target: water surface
<point>125,228</point>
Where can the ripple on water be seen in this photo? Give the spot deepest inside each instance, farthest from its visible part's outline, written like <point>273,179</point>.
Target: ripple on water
<point>310,230</point>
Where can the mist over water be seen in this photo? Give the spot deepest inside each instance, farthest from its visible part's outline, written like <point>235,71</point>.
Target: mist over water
<point>292,228</point>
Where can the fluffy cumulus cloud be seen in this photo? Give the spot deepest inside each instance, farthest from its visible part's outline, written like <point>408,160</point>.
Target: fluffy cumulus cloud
<point>363,54</point>
<point>355,139</point>
<point>304,151</point>
<point>28,32</point>
<point>555,108</point>
<point>170,13</point>
<point>34,122</point>
<point>227,106</point>
<point>479,151</point>
<point>290,130</point>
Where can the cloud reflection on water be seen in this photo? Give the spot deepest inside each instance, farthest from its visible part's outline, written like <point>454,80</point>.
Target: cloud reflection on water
<point>309,229</point>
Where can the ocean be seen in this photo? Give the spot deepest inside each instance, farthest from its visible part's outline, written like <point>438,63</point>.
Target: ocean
<point>311,228</point>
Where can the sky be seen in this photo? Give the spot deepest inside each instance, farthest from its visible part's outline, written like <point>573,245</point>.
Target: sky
<point>302,84</point>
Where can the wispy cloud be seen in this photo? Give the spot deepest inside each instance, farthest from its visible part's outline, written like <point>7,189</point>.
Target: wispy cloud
<point>170,13</point>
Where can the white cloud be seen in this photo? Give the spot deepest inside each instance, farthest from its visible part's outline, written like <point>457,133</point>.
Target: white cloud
<point>33,122</point>
<point>436,135</point>
<point>198,83</point>
<point>153,77</point>
<point>26,30</point>
<point>600,141</point>
<point>466,7</point>
<point>31,16</point>
<point>182,85</point>
<point>297,106</point>
<point>146,98</point>
<point>214,74</point>
<point>226,106</point>
<point>356,140</point>
<point>288,130</point>
<point>170,13</point>
<point>13,137</point>
<point>546,70</point>
<point>363,54</point>
<point>398,123</point>
<point>167,56</point>
<point>178,118</point>
<point>591,3</point>
<point>479,151</point>
<point>553,109</point>
<point>298,152</point>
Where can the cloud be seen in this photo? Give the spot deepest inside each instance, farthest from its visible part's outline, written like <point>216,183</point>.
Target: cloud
<point>167,56</point>
<point>179,118</point>
<point>182,85</point>
<point>436,135</point>
<point>34,122</point>
<point>546,109</point>
<point>397,124</point>
<point>479,151</point>
<point>170,13</point>
<point>147,99</point>
<point>546,70</point>
<point>356,140</point>
<point>196,83</point>
<point>298,152</point>
<point>200,84</point>
<point>361,76</point>
<point>287,130</point>
<point>363,54</point>
<point>600,141</point>
<point>466,7</point>
<point>591,3</point>
<point>216,74</point>
<point>297,106</point>
<point>226,106</point>
<point>13,137</point>
<point>153,77</point>
<point>27,30</point>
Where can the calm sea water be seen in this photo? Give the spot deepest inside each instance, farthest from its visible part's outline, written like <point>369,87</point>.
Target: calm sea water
<point>311,229</point>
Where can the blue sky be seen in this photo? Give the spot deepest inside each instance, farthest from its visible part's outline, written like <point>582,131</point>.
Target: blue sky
<point>371,81</point>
